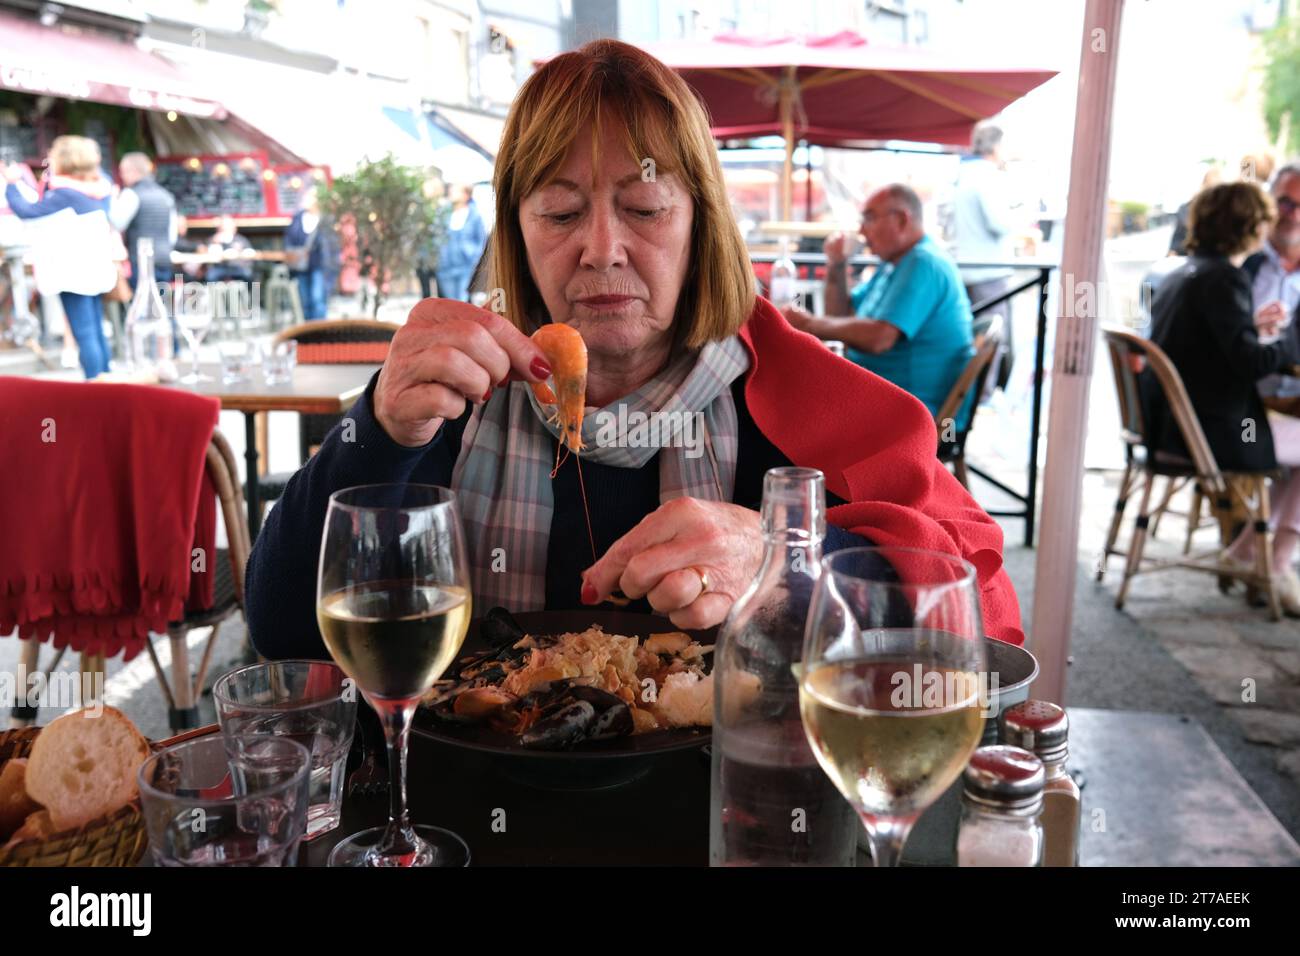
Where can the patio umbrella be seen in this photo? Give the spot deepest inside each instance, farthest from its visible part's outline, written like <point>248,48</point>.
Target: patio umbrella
<point>841,90</point>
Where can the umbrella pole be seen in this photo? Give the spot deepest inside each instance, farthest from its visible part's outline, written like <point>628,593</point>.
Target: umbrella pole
<point>1057,567</point>
<point>787,129</point>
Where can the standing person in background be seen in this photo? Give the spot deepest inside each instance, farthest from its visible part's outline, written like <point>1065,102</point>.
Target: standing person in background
<point>984,230</point>
<point>72,242</point>
<point>144,210</point>
<point>313,251</point>
<point>466,237</point>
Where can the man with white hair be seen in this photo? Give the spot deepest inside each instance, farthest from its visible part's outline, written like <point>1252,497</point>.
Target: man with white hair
<point>144,210</point>
<point>910,323</point>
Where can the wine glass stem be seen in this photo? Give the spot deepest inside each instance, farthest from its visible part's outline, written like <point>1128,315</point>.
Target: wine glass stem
<point>888,834</point>
<point>399,839</point>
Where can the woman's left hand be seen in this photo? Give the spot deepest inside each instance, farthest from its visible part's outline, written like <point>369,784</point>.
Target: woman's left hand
<point>667,555</point>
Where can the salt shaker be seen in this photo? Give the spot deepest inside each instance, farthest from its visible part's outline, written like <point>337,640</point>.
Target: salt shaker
<point>1003,794</point>
<point>1043,728</point>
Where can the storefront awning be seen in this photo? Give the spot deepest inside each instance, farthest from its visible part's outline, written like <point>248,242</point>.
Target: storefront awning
<point>50,61</point>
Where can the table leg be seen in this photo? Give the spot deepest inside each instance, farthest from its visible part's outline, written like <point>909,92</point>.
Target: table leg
<point>250,466</point>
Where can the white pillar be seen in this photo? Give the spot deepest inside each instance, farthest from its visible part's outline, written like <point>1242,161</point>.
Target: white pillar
<point>1067,425</point>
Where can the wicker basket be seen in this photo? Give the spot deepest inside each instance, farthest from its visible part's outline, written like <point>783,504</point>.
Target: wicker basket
<point>117,839</point>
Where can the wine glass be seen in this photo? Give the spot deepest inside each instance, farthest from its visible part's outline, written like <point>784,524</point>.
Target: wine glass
<point>893,683</point>
<point>393,603</point>
<point>194,318</point>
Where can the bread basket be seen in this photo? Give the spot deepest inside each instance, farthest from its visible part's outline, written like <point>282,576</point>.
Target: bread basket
<point>116,839</point>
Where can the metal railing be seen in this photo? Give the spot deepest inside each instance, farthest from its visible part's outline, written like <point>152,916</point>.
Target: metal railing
<point>1041,279</point>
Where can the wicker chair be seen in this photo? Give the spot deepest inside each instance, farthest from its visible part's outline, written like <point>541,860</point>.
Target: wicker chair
<point>325,341</point>
<point>182,691</point>
<point>952,444</point>
<point>1229,493</point>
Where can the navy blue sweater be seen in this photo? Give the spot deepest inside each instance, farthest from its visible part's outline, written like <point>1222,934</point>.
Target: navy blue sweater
<point>280,592</point>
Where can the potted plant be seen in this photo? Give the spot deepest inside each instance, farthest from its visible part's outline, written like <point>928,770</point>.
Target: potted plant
<point>395,224</point>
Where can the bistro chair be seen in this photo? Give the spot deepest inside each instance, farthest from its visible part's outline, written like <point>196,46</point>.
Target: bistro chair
<point>321,342</point>
<point>181,690</point>
<point>952,443</point>
<point>1229,493</point>
<point>282,298</point>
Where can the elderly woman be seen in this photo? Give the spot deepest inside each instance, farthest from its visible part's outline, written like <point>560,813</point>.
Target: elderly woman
<point>612,217</point>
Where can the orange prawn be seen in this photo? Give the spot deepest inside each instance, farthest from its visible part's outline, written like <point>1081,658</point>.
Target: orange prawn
<point>567,354</point>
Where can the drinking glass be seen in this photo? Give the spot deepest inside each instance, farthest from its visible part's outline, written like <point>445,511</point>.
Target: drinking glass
<point>393,603</point>
<point>893,683</point>
<point>279,363</point>
<point>312,702</point>
<point>226,801</point>
<point>194,318</point>
<point>236,362</point>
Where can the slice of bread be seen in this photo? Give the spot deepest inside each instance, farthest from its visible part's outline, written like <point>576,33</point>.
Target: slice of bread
<point>15,804</point>
<point>83,766</point>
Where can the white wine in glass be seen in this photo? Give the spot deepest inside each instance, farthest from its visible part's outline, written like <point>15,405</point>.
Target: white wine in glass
<point>393,603</point>
<point>891,686</point>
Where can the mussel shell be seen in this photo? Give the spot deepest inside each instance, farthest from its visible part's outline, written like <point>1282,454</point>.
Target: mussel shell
<point>568,725</point>
<point>601,699</point>
<point>614,722</point>
<point>499,629</point>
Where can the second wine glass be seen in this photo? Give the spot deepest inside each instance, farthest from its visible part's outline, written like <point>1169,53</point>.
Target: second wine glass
<point>893,683</point>
<point>393,603</point>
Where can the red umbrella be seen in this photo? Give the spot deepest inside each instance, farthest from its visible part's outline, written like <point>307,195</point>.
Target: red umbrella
<point>841,90</point>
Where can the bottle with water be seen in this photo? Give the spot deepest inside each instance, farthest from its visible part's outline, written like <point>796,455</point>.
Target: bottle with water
<point>782,286</point>
<point>771,802</point>
<point>148,325</point>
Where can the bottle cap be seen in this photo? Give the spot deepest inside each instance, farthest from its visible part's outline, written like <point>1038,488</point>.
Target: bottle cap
<point>1039,727</point>
<point>1005,778</point>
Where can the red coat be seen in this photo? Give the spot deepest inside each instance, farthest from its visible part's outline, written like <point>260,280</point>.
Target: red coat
<point>876,444</point>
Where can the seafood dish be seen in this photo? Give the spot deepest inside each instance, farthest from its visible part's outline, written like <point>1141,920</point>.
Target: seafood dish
<point>557,691</point>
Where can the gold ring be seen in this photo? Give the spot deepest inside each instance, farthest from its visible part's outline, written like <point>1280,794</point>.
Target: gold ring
<point>704,579</point>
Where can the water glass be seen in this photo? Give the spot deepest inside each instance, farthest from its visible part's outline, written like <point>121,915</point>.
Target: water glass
<point>279,363</point>
<point>236,362</point>
<point>223,801</point>
<point>312,702</point>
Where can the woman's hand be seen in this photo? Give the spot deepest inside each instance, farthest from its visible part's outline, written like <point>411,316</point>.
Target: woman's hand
<point>663,558</point>
<point>448,354</point>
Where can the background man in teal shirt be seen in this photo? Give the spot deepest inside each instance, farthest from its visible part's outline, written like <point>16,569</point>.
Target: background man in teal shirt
<point>910,322</point>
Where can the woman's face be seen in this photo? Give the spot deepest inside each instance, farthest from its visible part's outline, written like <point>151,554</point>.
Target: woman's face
<point>608,247</point>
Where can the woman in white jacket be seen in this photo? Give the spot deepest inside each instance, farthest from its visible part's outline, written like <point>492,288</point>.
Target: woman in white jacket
<point>72,241</point>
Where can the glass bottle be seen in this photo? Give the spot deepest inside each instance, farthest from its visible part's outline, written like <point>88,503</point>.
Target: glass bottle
<point>1043,729</point>
<point>782,286</point>
<point>148,325</point>
<point>1002,797</point>
<point>771,803</point>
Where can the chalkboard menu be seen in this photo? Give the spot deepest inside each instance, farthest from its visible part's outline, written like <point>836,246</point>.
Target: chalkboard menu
<point>209,186</point>
<point>292,181</point>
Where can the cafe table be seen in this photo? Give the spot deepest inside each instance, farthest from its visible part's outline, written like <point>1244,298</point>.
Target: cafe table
<point>314,390</point>
<point>1157,791</point>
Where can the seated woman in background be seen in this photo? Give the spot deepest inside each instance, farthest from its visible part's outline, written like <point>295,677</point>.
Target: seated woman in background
<point>1204,320</point>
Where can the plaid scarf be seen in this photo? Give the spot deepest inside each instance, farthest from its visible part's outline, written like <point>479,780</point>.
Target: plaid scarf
<point>502,477</point>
